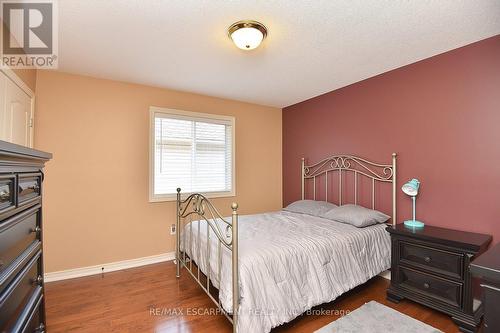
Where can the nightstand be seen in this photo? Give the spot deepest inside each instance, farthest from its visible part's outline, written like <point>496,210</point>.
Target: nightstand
<point>431,266</point>
<point>487,267</point>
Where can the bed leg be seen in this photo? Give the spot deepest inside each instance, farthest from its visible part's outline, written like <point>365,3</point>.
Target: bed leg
<point>236,286</point>
<point>177,235</point>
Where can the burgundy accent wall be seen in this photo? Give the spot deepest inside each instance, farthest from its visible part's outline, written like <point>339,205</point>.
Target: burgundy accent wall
<point>441,115</point>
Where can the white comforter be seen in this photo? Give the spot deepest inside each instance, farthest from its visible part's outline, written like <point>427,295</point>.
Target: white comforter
<point>288,263</point>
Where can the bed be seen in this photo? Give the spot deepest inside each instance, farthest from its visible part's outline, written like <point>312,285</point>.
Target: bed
<point>264,270</point>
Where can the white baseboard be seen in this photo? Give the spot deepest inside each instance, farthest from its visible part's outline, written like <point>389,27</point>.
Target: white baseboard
<point>125,264</point>
<point>386,274</point>
<point>109,267</point>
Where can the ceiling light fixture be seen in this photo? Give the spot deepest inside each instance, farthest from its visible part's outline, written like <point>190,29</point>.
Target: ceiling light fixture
<point>247,35</point>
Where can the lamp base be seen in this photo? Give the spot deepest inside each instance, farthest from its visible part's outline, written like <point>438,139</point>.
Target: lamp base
<point>414,224</point>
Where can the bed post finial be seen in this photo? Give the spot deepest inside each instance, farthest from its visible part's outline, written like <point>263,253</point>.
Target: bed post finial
<point>394,189</point>
<point>303,174</point>
<point>177,234</point>
<point>236,286</point>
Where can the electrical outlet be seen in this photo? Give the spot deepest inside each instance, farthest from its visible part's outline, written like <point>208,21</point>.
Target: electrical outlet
<point>172,229</point>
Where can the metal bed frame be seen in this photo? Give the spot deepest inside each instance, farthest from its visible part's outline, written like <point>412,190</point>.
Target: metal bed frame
<point>198,206</point>
<point>340,165</point>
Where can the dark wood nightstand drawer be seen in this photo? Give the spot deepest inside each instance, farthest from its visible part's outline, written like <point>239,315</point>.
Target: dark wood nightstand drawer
<point>437,288</point>
<point>428,257</point>
<point>29,187</point>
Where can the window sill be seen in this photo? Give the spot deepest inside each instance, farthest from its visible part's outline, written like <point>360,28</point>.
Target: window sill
<point>184,195</point>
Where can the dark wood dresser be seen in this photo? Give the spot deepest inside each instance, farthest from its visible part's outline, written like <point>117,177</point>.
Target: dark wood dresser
<point>21,258</point>
<point>487,267</point>
<point>431,266</point>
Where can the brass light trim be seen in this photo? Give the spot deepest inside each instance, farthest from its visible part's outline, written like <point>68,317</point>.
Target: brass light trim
<point>247,24</point>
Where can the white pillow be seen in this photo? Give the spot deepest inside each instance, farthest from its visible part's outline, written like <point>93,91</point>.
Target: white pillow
<point>310,207</point>
<point>357,216</point>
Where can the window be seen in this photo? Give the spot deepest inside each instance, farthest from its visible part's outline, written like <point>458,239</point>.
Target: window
<point>193,151</point>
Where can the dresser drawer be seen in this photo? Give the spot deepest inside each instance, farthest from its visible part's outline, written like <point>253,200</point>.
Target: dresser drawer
<point>17,234</point>
<point>10,273</point>
<point>32,318</point>
<point>16,297</point>
<point>7,198</point>
<point>431,286</point>
<point>440,261</point>
<point>29,187</point>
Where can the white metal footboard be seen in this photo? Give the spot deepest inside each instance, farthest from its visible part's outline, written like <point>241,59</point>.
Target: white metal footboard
<point>197,207</point>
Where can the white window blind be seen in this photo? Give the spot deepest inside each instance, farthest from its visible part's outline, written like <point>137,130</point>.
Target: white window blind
<point>194,153</point>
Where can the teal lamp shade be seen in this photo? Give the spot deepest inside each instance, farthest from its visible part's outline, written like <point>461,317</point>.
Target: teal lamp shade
<point>411,189</point>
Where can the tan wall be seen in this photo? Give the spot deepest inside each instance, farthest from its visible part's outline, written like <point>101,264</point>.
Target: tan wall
<point>96,189</point>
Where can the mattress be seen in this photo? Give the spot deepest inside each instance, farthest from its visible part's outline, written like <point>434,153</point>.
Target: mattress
<point>288,263</point>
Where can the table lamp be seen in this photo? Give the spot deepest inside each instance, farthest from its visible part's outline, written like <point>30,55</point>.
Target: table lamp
<point>411,189</point>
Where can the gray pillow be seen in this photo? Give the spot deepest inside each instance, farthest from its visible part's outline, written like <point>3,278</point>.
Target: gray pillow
<point>357,216</point>
<point>310,207</point>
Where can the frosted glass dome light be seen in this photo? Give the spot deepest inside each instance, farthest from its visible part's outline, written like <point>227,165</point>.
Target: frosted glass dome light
<point>247,35</point>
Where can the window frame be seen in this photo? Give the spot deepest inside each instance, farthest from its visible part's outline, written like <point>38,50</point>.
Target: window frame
<point>193,116</point>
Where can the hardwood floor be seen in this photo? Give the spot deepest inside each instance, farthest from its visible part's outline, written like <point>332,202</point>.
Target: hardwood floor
<point>151,299</point>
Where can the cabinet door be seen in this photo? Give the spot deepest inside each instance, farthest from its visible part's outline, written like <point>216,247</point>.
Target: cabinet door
<point>17,114</point>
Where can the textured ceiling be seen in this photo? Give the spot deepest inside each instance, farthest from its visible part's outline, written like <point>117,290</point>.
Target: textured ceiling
<point>313,46</point>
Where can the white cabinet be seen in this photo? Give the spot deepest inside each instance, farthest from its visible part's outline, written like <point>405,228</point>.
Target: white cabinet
<point>16,113</point>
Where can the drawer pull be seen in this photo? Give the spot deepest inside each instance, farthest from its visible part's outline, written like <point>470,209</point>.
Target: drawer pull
<point>34,187</point>
<point>40,329</point>
<point>4,196</point>
<point>38,280</point>
<point>36,230</point>
<point>427,259</point>
<point>426,285</point>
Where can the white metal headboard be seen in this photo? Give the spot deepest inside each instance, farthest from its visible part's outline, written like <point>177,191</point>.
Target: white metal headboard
<point>341,164</point>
